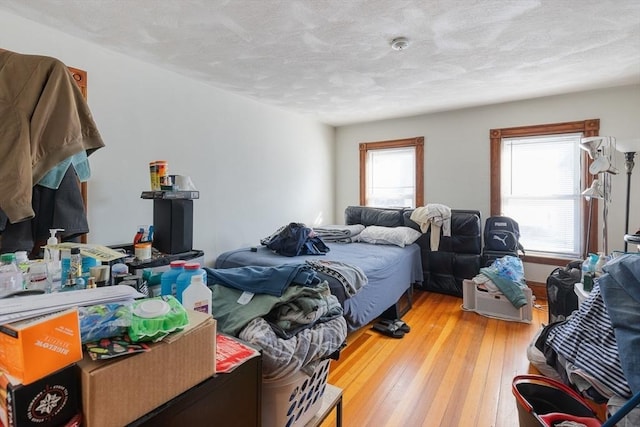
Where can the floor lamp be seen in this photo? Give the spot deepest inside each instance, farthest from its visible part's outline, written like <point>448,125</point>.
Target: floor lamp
<point>599,149</point>
<point>629,147</point>
<point>593,192</point>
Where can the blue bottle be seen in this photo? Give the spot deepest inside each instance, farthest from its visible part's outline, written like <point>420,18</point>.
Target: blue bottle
<point>169,278</point>
<point>184,279</point>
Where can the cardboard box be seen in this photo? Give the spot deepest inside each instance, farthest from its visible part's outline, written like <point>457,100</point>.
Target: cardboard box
<point>119,391</point>
<point>34,348</point>
<point>51,401</point>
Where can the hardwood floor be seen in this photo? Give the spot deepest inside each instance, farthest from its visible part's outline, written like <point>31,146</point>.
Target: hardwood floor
<point>454,368</point>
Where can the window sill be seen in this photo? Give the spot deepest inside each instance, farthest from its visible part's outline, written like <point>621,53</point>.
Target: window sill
<point>547,260</point>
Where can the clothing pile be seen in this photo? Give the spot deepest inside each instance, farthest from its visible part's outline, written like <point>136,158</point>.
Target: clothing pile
<point>504,276</point>
<point>435,216</point>
<point>295,239</point>
<point>595,350</point>
<point>285,310</point>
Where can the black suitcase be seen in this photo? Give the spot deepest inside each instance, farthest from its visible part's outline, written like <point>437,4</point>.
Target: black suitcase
<point>561,296</point>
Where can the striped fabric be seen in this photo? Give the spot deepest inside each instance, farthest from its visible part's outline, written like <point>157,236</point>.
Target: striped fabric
<point>587,341</point>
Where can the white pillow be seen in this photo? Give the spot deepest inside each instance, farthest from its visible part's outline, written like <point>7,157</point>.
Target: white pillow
<point>399,236</point>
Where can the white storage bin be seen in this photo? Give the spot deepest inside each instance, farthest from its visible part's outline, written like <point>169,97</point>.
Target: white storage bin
<point>495,305</point>
<point>294,400</point>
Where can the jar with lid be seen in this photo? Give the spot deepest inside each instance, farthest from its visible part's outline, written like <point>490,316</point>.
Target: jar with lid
<point>75,266</point>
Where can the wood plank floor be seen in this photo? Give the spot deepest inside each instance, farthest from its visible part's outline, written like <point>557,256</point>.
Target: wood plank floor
<point>454,368</point>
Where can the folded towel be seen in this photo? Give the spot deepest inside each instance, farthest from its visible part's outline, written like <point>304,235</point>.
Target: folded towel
<point>338,233</point>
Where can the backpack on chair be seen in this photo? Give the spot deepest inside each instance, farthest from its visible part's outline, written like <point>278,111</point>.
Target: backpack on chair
<point>502,234</point>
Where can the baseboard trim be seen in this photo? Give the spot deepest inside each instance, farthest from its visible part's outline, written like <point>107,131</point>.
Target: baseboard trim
<point>539,290</point>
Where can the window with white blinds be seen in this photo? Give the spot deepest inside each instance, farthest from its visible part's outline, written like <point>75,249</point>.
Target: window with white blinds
<point>541,189</point>
<point>392,173</point>
<point>391,177</point>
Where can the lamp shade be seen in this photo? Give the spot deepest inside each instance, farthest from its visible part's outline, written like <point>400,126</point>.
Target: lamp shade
<point>602,164</point>
<point>591,144</point>
<point>628,145</point>
<point>593,192</point>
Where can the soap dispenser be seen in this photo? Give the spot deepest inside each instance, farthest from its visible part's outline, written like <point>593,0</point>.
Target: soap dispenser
<point>51,255</point>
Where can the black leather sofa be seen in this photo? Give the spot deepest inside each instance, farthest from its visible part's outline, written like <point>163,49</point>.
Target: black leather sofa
<point>458,256</point>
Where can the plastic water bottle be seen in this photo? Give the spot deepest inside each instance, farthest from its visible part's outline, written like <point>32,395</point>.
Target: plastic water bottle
<point>169,278</point>
<point>184,279</point>
<point>10,276</point>
<point>197,296</point>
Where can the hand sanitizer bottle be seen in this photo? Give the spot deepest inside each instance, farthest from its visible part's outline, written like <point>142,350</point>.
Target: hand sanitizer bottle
<point>52,256</point>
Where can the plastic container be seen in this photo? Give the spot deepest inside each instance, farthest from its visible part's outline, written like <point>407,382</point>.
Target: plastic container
<point>294,399</point>
<point>153,174</point>
<point>169,277</point>
<point>38,277</point>
<point>184,279</point>
<point>142,251</point>
<point>22,259</point>
<point>155,318</point>
<point>75,265</point>
<point>11,278</point>
<point>197,296</point>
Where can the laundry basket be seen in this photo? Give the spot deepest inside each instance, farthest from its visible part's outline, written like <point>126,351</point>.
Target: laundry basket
<point>295,399</point>
<point>544,402</point>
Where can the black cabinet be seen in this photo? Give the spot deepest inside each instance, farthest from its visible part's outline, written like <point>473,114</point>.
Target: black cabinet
<point>229,400</point>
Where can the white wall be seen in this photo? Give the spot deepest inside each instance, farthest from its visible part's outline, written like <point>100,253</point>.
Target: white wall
<point>259,167</point>
<point>457,151</point>
<point>256,167</point>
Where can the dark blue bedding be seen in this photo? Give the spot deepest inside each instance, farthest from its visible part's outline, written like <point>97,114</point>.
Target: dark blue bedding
<point>390,271</point>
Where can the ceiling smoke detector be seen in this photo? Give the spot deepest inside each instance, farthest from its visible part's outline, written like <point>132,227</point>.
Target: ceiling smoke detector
<point>400,43</point>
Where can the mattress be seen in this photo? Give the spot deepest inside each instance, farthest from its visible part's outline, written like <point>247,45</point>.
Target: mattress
<point>390,271</point>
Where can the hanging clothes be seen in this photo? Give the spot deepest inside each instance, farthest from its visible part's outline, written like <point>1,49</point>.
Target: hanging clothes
<point>44,119</point>
<point>62,209</point>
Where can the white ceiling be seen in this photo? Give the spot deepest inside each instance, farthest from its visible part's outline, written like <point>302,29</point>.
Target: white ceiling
<point>332,60</point>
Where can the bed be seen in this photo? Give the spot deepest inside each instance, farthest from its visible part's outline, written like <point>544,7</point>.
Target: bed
<point>390,270</point>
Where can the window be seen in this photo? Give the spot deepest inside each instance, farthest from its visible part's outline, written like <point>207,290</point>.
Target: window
<point>537,178</point>
<point>391,173</point>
